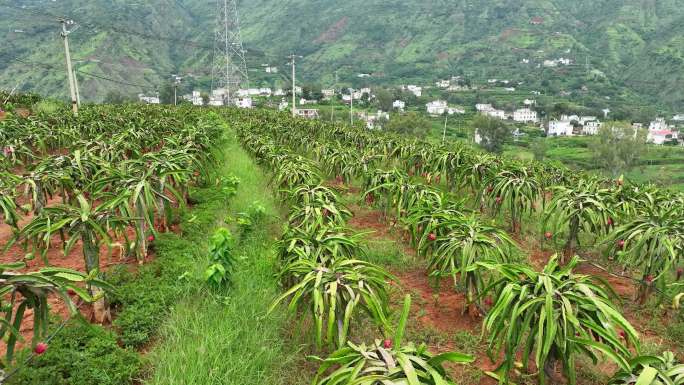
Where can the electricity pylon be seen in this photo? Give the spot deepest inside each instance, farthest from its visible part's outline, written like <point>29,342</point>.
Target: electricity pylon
<point>229,70</point>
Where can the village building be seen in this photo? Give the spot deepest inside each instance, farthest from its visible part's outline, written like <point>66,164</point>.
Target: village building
<point>196,98</point>
<point>243,102</point>
<point>659,124</point>
<point>560,128</point>
<point>307,113</point>
<point>417,91</point>
<point>525,115</point>
<point>437,107</point>
<point>328,93</point>
<point>443,83</point>
<point>661,137</point>
<point>399,105</point>
<point>149,99</point>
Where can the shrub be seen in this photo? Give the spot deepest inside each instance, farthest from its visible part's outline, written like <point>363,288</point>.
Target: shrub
<point>81,354</point>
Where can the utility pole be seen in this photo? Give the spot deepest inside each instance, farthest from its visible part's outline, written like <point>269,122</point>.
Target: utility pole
<point>70,71</point>
<point>294,57</point>
<point>176,82</point>
<point>351,106</point>
<point>78,93</point>
<point>446,119</point>
<point>294,90</point>
<point>332,102</point>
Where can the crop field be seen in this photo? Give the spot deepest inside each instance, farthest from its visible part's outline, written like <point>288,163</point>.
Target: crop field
<point>164,245</point>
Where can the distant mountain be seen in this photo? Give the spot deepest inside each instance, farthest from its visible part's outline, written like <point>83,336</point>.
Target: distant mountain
<point>630,50</point>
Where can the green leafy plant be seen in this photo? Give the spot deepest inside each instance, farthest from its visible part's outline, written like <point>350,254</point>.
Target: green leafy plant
<point>22,291</point>
<point>221,259</point>
<point>553,315</point>
<point>387,362</point>
<point>333,290</point>
<point>652,242</point>
<point>651,370</point>
<point>462,243</point>
<point>584,207</point>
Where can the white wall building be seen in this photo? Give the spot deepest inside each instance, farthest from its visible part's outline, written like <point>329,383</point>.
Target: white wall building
<point>443,83</point>
<point>560,128</point>
<point>399,105</point>
<point>196,98</point>
<point>658,125</point>
<point>455,110</point>
<point>659,137</point>
<point>279,92</point>
<point>437,107</point>
<point>149,99</point>
<point>481,107</point>
<point>525,115</point>
<point>494,113</point>
<point>591,127</point>
<point>245,102</point>
<point>283,105</point>
<point>328,93</point>
<point>418,91</point>
<point>307,113</point>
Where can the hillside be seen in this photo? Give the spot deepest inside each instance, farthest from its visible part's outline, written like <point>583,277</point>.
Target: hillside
<point>630,50</point>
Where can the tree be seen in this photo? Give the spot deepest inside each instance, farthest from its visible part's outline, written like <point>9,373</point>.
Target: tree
<point>617,148</point>
<point>551,316</point>
<point>116,97</point>
<point>581,208</point>
<point>411,123</point>
<point>493,132</point>
<point>166,94</point>
<point>539,147</point>
<point>384,99</point>
<point>388,362</point>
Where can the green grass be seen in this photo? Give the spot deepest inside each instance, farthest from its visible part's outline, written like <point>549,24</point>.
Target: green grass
<point>226,337</point>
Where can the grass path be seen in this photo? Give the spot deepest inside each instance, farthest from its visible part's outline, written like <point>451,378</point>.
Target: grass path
<point>225,338</point>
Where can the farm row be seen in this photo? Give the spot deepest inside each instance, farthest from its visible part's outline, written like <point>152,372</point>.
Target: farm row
<point>441,196</point>
<point>107,183</point>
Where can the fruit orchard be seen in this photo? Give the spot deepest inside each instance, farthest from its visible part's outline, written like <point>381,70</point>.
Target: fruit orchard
<point>114,182</point>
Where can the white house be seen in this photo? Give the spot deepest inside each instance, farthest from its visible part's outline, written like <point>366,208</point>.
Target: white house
<point>457,87</point>
<point>443,83</point>
<point>437,107</point>
<point>149,99</point>
<point>307,113</point>
<point>529,102</point>
<point>271,70</point>
<point>245,102</point>
<point>525,115</point>
<point>661,136</point>
<point>481,107</point>
<point>197,98</point>
<point>510,89</point>
<point>494,113</point>
<point>560,128</point>
<point>399,105</point>
<point>418,91</point>
<point>328,93</point>
<point>279,92</point>
<point>658,125</point>
<point>365,90</point>
<point>455,110</point>
<point>283,105</point>
<point>678,118</point>
<point>303,101</point>
<point>265,91</point>
<point>216,100</point>
<point>591,127</point>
